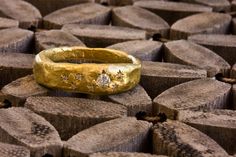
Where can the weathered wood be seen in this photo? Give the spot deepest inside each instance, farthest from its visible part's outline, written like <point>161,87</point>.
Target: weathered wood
<point>234,96</point>
<point>23,127</point>
<point>17,91</point>
<point>223,45</point>
<point>49,6</point>
<point>234,25</point>
<point>145,50</point>
<point>207,23</point>
<point>218,6</point>
<point>14,66</point>
<point>55,38</point>
<point>220,125</point>
<point>122,134</point>
<point>157,77</point>
<point>72,115</point>
<point>25,13</point>
<point>174,138</point>
<point>172,11</point>
<point>130,16</point>
<point>9,150</point>
<point>135,100</point>
<point>189,53</point>
<point>102,35</point>
<point>16,40</point>
<point>8,23</point>
<point>196,95</point>
<point>124,154</point>
<point>87,13</point>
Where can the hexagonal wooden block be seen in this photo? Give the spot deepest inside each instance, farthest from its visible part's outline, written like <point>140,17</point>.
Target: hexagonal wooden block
<point>87,13</point>
<point>189,53</point>
<point>130,16</point>
<point>172,11</point>
<point>207,23</point>
<point>145,50</point>
<point>8,23</point>
<point>174,138</point>
<point>23,127</point>
<point>220,125</point>
<point>9,150</point>
<point>103,35</point>
<point>218,6</point>
<point>196,95</point>
<point>72,115</point>
<point>223,45</point>
<point>135,100</point>
<point>124,154</point>
<point>49,6</point>
<point>122,134</point>
<point>158,76</point>
<point>55,38</point>
<point>14,66</point>
<point>24,12</point>
<point>16,40</point>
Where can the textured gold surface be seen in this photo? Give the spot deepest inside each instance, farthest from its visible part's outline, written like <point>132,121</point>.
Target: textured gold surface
<point>95,71</point>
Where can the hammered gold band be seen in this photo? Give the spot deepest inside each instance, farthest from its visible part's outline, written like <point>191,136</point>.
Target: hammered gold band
<point>110,71</point>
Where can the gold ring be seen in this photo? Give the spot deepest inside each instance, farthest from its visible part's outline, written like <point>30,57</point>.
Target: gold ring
<point>97,71</point>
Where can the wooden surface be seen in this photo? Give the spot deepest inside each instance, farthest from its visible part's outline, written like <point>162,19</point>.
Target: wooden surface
<point>213,124</point>
<point>174,138</point>
<point>55,38</point>
<point>200,23</point>
<point>145,50</point>
<point>14,66</point>
<point>7,150</point>
<point>189,53</point>
<point>103,35</point>
<point>172,11</point>
<point>8,23</point>
<point>16,40</point>
<point>158,76</point>
<point>130,16</point>
<point>24,12</point>
<point>196,95</point>
<point>113,135</point>
<point>76,114</point>
<point>23,127</point>
<point>88,13</point>
<point>223,45</point>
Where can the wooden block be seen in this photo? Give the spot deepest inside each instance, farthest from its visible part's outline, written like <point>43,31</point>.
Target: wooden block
<point>87,13</point>
<point>19,90</point>
<point>189,53</point>
<point>234,96</point>
<point>14,66</point>
<point>103,35</point>
<point>172,11</point>
<point>135,100</point>
<point>72,115</point>
<point>207,23</point>
<point>220,125</point>
<point>24,12</point>
<point>145,50</point>
<point>23,127</point>
<point>124,154</point>
<point>174,138</point>
<point>157,77</point>
<point>218,6</point>
<point>16,40</point>
<point>122,134</point>
<point>130,16</point>
<point>49,6</point>
<point>9,150</point>
<point>196,95</point>
<point>8,23</point>
<point>234,25</point>
<point>223,45</point>
<point>55,38</point>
